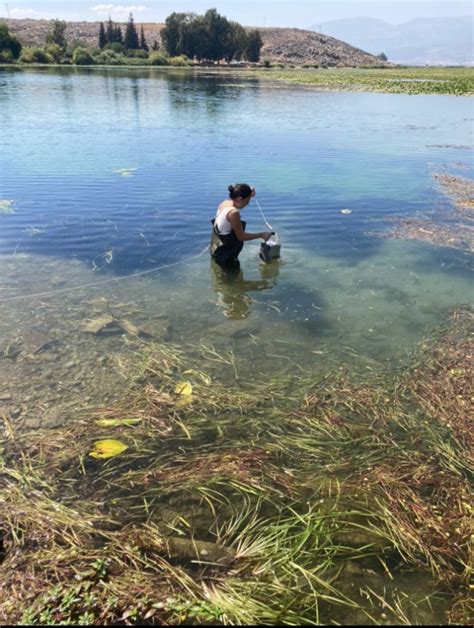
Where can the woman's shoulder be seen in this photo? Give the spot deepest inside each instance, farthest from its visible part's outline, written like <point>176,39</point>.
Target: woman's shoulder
<point>226,206</point>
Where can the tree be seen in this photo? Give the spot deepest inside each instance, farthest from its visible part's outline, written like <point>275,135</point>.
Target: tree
<point>56,34</point>
<point>143,44</point>
<point>172,31</point>
<point>111,31</point>
<point>102,36</point>
<point>382,56</point>
<point>10,46</point>
<point>118,37</point>
<point>155,46</point>
<point>131,37</point>
<point>254,46</point>
<point>219,30</point>
<point>237,43</point>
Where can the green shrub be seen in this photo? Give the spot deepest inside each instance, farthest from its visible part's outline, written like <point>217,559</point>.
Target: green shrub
<point>55,51</point>
<point>6,56</point>
<point>82,56</point>
<point>10,46</point>
<point>35,55</point>
<point>115,47</point>
<point>267,64</point>
<point>137,61</point>
<point>159,58</point>
<point>138,54</point>
<point>179,61</point>
<point>109,57</point>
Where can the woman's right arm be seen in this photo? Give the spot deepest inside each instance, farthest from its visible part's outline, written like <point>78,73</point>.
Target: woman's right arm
<point>234,218</point>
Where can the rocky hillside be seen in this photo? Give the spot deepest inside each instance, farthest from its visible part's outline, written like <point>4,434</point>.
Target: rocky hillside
<point>295,46</point>
<point>284,45</point>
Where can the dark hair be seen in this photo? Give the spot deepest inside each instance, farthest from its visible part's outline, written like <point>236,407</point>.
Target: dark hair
<point>239,190</point>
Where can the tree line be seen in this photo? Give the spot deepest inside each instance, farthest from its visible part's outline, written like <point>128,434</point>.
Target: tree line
<point>185,36</point>
<point>112,34</point>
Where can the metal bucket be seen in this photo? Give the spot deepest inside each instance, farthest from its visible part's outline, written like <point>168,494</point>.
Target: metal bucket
<point>270,250</point>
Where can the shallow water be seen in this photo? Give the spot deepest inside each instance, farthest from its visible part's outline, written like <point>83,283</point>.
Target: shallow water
<point>116,172</point>
<point>113,172</point>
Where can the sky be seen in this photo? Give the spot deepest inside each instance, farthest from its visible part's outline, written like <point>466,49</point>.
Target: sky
<point>294,13</point>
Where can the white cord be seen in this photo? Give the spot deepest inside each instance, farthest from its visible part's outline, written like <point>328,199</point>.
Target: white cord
<point>263,216</point>
<point>100,283</point>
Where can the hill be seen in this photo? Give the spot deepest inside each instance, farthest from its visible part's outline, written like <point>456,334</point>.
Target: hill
<point>284,45</point>
<point>422,41</point>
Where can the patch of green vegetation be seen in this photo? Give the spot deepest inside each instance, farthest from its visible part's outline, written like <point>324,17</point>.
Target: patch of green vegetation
<point>454,81</point>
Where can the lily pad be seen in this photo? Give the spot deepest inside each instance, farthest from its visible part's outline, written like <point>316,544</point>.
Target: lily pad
<point>107,448</point>
<point>183,388</point>
<point>116,422</point>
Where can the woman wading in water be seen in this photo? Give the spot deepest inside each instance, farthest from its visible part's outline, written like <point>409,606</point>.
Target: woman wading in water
<point>228,230</point>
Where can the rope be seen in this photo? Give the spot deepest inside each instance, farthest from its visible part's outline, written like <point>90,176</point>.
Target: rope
<point>263,216</point>
<point>49,293</point>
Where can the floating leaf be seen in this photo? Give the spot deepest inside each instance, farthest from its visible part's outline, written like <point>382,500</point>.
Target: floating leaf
<point>6,207</point>
<point>107,448</point>
<point>183,388</point>
<point>116,422</point>
<point>125,172</point>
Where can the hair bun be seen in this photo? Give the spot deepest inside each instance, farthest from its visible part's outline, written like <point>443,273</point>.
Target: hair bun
<point>231,188</point>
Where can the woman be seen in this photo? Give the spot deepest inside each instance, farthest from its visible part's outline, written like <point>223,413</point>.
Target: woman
<point>228,232</point>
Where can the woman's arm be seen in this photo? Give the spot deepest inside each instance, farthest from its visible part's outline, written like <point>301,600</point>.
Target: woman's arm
<point>234,218</point>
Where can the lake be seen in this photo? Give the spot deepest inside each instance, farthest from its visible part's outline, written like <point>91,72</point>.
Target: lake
<point>109,180</point>
<point>115,172</point>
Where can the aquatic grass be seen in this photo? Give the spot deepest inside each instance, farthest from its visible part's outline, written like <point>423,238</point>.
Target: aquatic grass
<point>250,504</point>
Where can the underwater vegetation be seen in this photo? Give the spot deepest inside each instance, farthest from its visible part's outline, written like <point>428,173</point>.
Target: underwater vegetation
<point>453,229</point>
<point>345,499</point>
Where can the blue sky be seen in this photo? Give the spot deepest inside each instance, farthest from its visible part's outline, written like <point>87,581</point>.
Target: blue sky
<point>296,13</point>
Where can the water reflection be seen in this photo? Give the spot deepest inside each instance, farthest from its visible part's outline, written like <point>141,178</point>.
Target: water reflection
<point>232,288</point>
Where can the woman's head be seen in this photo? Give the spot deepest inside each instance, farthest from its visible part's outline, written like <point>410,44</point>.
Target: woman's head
<point>240,193</point>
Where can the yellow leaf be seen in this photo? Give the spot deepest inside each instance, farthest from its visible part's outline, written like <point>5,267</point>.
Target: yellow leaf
<point>183,388</point>
<point>116,422</point>
<point>107,448</point>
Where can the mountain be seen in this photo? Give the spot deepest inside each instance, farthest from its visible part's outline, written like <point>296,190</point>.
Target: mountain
<point>284,45</point>
<point>421,41</point>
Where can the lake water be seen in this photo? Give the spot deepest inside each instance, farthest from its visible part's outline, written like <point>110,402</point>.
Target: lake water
<point>115,172</point>
<point>108,182</point>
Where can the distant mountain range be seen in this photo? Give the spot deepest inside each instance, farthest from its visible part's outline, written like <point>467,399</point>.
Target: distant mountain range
<point>432,41</point>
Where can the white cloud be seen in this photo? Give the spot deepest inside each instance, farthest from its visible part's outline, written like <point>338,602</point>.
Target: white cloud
<point>118,11</point>
<point>21,14</point>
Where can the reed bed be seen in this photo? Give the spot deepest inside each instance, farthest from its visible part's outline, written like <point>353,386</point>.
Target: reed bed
<point>291,501</point>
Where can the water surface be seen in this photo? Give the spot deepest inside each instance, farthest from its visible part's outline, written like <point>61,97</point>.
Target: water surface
<point>114,172</point>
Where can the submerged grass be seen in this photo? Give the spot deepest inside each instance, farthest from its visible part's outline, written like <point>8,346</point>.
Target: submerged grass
<point>282,502</point>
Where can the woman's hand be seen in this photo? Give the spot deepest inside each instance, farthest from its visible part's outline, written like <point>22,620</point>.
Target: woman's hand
<point>254,192</point>
<point>266,235</point>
